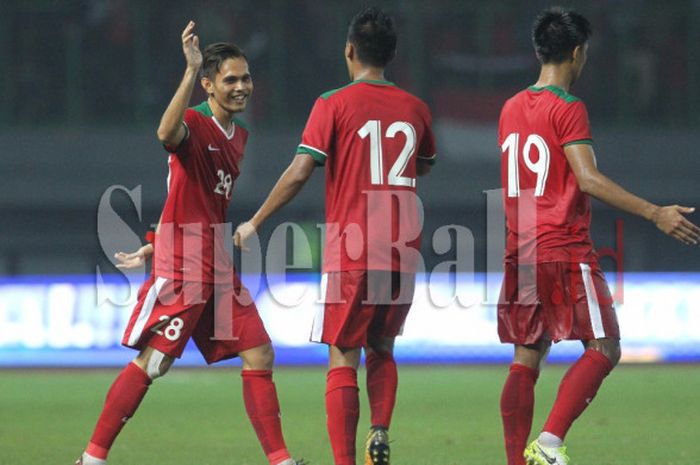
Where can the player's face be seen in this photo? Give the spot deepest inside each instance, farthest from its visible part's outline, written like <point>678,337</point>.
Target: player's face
<point>232,86</point>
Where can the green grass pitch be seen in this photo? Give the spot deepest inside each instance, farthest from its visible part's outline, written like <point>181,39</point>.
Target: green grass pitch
<point>643,415</point>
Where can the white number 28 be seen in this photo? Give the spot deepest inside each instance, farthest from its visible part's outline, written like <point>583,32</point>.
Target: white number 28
<point>225,184</point>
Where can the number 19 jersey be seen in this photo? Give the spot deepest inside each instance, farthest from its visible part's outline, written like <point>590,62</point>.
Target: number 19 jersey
<point>547,216</point>
<point>369,136</point>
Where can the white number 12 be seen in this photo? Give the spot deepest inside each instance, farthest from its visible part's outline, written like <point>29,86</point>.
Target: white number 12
<point>373,129</point>
<point>540,168</point>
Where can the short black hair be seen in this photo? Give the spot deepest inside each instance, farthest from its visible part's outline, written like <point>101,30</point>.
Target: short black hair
<point>557,32</point>
<point>372,33</point>
<point>215,54</point>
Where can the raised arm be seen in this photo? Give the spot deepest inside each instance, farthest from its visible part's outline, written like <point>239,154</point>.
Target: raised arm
<point>668,219</point>
<point>286,188</point>
<point>171,130</point>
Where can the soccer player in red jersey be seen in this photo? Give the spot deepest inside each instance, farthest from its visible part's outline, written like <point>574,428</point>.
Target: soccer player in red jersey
<point>553,287</point>
<point>373,139</point>
<point>193,283</point>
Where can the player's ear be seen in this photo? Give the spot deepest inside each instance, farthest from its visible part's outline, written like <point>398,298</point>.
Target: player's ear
<point>577,54</point>
<point>207,85</point>
<point>349,51</point>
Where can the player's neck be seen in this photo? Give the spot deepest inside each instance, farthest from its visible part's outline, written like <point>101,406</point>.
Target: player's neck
<point>557,75</point>
<point>224,117</point>
<point>369,74</point>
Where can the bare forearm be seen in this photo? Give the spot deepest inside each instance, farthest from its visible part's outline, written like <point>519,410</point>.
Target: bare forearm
<point>669,219</point>
<point>606,190</point>
<point>287,187</point>
<point>170,131</point>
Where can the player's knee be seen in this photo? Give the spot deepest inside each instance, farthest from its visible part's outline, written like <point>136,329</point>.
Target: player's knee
<point>341,357</point>
<point>154,362</point>
<point>613,352</point>
<point>608,347</point>
<point>532,355</point>
<point>380,345</point>
<point>258,358</point>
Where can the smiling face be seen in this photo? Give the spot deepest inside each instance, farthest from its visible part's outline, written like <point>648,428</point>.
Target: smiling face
<point>232,85</point>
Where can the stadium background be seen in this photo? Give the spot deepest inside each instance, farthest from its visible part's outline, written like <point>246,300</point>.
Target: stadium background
<point>83,86</point>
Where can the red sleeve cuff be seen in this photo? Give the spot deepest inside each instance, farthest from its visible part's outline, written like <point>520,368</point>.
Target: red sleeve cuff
<point>150,237</point>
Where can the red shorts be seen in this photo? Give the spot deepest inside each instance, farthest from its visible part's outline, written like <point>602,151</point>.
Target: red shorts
<point>361,303</point>
<point>555,301</point>
<point>168,312</point>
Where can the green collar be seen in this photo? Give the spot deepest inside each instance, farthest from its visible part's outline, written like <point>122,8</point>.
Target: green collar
<point>558,91</point>
<point>205,109</point>
<point>380,82</point>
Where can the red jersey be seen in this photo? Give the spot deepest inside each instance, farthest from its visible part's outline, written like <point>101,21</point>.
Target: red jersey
<point>547,216</point>
<point>202,170</point>
<point>369,135</point>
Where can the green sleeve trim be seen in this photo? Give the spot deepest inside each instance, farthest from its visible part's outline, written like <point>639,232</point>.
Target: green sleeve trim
<point>182,142</point>
<point>427,160</point>
<point>579,142</point>
<point>318,156</point>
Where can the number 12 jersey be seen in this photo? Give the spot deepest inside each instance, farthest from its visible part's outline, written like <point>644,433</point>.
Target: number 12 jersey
<point>369,135</point>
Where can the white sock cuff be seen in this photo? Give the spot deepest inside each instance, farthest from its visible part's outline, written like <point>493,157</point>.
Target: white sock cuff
<point>549,440</point>
<point>90,460</point>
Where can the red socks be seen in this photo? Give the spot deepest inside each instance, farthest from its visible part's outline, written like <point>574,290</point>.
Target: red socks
<point>382,381</point>
<point>517,403</point>
<point>577,389</point>
<point>343,403</point>
<point>260,399</point>
<point>343,413</point>
<point>123,398</point>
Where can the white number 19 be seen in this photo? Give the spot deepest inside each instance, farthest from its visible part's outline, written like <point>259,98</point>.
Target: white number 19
<point>540,167</point>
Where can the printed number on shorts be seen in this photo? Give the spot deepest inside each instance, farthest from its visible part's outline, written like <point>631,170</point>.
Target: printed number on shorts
<point>172,330</point>
<point>540,167</point>
<point>225,184</point>
<point>373,129</point>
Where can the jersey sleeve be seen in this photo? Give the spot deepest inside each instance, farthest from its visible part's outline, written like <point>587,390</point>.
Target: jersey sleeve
<point>191,123</point>
<point>317,138</point>
<point>426,148</point>
<point>573,126</point>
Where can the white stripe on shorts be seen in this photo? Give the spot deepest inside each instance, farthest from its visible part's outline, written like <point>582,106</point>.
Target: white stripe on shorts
<point>148,303</point>
<point>317,326</point>
<point>592,297</point>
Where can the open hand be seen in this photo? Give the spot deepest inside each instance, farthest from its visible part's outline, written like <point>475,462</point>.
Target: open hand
<point>128,261</point>
<point>190,46</point>
<point>670,220</point>
<point>242,234</point>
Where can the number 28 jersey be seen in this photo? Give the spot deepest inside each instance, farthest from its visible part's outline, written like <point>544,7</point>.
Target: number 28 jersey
<point>547,216</point>
<point>202,171</point>
<point>369,135</point>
